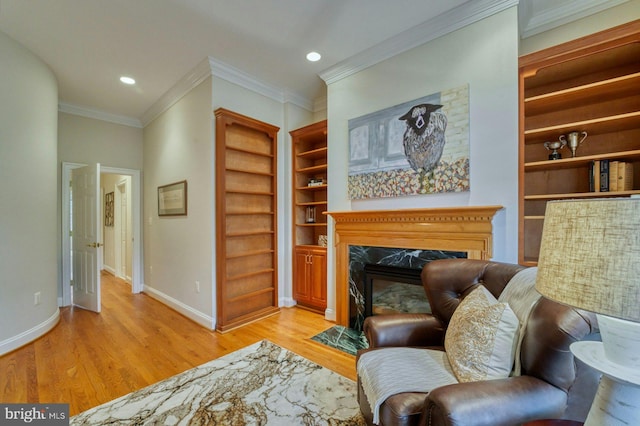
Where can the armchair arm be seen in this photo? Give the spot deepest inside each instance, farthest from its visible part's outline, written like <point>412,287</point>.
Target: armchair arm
<point>403,330</point>
<point>509,401</point>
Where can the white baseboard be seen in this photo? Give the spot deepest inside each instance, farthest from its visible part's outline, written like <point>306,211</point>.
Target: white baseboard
<point>186,310</point>
<point>286,302</point>
<point>30,335</point>
<point>330,314</point>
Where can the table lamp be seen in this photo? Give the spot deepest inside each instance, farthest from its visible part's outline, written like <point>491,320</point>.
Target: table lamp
<point>590,259</point>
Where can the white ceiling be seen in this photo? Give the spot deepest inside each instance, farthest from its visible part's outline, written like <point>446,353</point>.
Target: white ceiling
<point>89,44</point>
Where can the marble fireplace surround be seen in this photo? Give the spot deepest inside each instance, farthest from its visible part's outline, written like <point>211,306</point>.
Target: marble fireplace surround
<point>466,229</point>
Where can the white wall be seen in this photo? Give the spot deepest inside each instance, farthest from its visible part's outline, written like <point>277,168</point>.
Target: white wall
<point>483,55</point>
<point>28,246</point>
<point>178,249</point>
<point>88,140</point>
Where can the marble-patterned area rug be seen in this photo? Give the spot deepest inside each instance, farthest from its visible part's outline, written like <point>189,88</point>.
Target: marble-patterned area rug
<point>345,339</point>
<point>262,384</point>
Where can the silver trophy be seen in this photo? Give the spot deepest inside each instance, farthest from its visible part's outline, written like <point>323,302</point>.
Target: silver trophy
<point>554,147</point>
<point>573,140</point>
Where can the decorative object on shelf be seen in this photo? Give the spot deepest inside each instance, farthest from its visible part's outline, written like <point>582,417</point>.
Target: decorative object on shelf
<point>573,140</point>
<point>417,147</point>
<point>310,216</point>
<point>172,199</point>
<point>108,209</point>
<point>315,182</point>
<point>590,259</point>
<point>554,147</point>
<point>322,240</point>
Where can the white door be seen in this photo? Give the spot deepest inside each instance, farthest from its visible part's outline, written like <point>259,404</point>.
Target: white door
<point>86,244</point>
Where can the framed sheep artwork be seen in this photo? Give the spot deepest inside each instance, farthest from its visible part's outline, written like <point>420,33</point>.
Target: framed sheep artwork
<point>417,147</point>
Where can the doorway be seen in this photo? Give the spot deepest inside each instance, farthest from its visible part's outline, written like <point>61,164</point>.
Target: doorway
<point>122,225</point>
<point>133,226</point>
<point>116,236</point>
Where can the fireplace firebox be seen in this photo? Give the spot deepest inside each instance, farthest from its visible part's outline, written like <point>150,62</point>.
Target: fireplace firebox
<point>392,289</point>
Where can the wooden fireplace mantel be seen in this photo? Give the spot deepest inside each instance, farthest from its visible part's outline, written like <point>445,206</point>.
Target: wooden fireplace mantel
<point>466,229</point>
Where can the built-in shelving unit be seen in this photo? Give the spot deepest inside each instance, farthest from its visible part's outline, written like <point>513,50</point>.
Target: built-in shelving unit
<point>246,219</point>
<point>591,85</point>
<point>309,151</point>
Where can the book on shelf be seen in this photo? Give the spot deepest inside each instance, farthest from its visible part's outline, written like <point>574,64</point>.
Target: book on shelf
<point>625,176</point>
<point>604,175</point>
<point>610,176</point>
<point>594,176</point>
<point>613,176</point>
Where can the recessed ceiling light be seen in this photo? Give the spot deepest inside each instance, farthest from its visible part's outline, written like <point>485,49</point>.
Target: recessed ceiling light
<point>127,80</point>
<point>313,56</point>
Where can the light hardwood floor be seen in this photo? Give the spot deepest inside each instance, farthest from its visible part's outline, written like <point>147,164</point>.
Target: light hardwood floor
<point>89,359</point>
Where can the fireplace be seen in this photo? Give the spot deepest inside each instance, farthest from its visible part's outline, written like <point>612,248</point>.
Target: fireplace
<point>459,229</point>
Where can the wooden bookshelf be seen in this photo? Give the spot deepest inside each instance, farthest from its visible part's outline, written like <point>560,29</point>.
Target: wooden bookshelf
<point>309,159</point>
<point>587,85</point>
<point>246,220</point>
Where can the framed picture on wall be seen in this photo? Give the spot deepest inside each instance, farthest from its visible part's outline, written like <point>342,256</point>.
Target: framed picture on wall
<point>172,199</point>
<point>108,209</point>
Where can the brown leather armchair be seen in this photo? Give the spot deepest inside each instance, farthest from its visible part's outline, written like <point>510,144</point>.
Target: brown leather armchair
<point>552,384</point>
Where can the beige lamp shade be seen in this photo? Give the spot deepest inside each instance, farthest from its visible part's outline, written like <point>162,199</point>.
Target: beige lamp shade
<point>590,256</point>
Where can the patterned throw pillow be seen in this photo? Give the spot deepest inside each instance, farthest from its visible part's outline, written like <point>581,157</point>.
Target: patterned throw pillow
<point>481,338</point>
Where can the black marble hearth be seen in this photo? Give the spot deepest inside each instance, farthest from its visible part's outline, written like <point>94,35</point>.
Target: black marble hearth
<point>360,256</point>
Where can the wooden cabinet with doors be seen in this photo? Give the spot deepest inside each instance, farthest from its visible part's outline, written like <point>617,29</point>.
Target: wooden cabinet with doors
<point>246,219</point>
<point>309,149</point>
<point>590,86</point>
<point>310,277</point>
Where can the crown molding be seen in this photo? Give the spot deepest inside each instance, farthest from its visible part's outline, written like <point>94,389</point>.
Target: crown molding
<point>183,86</point>
<point>560,13</point>
<point>296,99</point>
<point>452,20</point>
<point>243,79</point>
<point>97,114</point>
<point>214,67</point>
